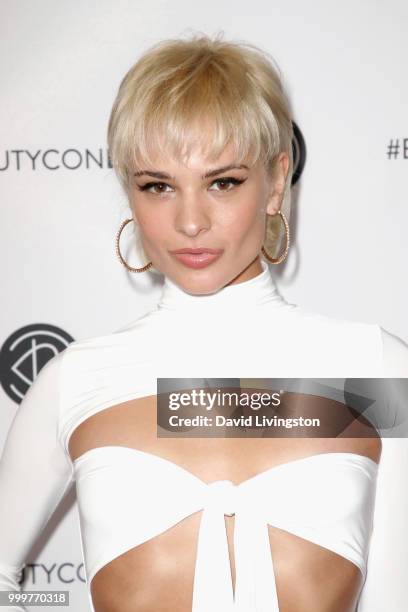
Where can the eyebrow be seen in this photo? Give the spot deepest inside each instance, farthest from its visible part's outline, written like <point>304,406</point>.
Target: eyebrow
<point>164,175</point>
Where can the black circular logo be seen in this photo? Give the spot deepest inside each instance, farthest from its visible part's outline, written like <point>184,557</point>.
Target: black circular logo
<point>299,153</point>
<point>25,353</point>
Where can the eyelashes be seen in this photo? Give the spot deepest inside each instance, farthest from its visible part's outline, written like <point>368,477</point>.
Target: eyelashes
<point>228,179</point>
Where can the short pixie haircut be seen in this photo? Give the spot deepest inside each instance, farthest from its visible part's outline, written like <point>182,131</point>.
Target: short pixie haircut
<point>166,95</point>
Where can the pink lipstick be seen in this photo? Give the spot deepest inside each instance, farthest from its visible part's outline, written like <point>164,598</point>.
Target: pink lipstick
<point>196,258</point>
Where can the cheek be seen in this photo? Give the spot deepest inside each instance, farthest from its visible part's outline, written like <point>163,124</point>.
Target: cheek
<point>248,218</point>
<point>153,231</point>
<point>149,220</point>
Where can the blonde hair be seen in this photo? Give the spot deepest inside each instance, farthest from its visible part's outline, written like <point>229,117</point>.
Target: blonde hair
<point>167,94</point>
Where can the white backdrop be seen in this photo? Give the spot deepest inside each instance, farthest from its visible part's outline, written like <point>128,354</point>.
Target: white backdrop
<point>344,67</point>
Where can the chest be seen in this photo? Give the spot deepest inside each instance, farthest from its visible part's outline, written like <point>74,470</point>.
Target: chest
<point>133,424</point>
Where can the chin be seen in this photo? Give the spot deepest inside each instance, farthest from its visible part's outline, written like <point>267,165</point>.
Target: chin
<point>200,285</point>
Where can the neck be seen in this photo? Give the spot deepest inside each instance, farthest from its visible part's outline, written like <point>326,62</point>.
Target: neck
<point>256,291</point>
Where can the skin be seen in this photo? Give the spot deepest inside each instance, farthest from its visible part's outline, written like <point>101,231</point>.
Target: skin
<point>194,212</point>
<point>157,575</point>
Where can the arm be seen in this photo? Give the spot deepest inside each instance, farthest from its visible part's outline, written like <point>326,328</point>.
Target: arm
<point>386,586</point>
<point>383,401</point>
<point>395,356</point>
<point>34,474</point>
<point>395,370</point>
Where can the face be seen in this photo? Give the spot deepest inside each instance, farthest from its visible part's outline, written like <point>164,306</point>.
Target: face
<point>204,205</point>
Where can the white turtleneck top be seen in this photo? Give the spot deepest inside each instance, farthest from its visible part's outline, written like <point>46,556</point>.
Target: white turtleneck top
<point>246,329</point>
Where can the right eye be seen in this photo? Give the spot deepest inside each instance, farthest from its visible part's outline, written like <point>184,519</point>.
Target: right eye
<point>150,186</point>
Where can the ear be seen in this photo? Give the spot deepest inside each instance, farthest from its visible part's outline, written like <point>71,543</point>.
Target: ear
<point>278,180</point>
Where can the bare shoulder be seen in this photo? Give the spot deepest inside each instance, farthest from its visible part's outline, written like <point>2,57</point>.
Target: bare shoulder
<point>395,355</point>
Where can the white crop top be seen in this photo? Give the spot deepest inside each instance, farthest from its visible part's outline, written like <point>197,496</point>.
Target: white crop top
<point>248,330</point>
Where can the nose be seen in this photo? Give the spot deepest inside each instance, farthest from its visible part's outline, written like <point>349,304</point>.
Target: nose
<point>192,215</point>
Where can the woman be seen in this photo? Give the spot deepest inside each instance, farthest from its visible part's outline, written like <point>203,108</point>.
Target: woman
<point>200,136</point>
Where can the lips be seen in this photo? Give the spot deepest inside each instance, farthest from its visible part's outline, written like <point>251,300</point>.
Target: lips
<point>197,251</point>
<point>196,258</point>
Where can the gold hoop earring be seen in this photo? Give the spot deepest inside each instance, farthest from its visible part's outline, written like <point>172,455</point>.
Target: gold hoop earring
<point>146,267</point>
<point>279,259</point>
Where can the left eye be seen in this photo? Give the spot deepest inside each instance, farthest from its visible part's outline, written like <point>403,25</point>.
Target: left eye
<point>229,180</point>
